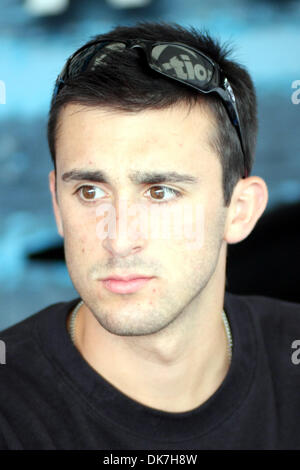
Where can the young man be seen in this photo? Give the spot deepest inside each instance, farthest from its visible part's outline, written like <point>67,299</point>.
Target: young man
<point>152,124</point>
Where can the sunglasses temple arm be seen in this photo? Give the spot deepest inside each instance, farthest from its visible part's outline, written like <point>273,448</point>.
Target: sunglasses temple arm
<point>235,120</point>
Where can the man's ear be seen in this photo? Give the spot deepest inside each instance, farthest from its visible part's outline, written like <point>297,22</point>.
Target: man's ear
<point>56,208</point>
<point>248,202</point>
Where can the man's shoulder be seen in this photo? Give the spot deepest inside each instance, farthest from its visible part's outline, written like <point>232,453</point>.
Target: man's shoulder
<point>28,347</point>
<point>21,339</point>
<point>29,376</point>
<point>25,326</point>
<point>265,308</point>
<point>270,315</point>
<point>276,324</point>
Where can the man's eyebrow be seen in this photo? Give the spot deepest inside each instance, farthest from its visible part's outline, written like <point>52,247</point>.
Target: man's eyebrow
<point>136,177</point>
<point>85,175</point>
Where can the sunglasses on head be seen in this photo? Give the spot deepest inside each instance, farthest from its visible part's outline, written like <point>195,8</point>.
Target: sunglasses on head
<point>173,60</point>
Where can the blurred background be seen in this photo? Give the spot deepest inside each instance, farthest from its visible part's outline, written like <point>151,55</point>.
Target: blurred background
<point>37,36</point>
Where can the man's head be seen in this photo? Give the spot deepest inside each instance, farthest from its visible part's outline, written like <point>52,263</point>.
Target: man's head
<point>127,83</point>
<point>130,136</point>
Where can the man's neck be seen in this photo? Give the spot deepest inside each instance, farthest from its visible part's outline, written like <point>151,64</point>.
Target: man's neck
<point>175,369</point>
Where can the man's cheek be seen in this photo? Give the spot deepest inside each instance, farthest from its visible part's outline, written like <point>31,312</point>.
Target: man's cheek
<point>75,243</point>
<point>194,226</point>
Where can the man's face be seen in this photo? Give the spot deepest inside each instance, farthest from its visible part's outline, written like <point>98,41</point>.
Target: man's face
<point>119,144</point>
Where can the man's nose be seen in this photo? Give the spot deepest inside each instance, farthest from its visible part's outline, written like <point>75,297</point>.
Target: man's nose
<point>122,229</point>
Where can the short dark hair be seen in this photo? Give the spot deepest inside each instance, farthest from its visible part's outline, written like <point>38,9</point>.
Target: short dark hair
<point>128,84</point>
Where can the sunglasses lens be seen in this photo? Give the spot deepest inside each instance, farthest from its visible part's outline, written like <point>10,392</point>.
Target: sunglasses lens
<point>184,64</point>
<point>78,62</point>
<point>91,57</point>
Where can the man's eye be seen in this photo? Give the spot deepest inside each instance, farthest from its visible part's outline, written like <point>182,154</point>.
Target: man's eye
<point>158,192</point>
<point>89,193</point>
<point>161,194</point>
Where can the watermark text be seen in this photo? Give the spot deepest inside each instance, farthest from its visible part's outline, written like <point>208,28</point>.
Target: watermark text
<point>2,352</point>
<point>296,94</point>
<point>184,222</point>
<point>2,92</point>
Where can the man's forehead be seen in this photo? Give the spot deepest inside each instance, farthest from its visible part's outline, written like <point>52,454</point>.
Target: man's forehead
<point>180,114</point>
<point>168,134</point>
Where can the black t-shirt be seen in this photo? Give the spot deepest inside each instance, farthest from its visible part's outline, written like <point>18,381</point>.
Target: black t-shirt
<point>51,398</point>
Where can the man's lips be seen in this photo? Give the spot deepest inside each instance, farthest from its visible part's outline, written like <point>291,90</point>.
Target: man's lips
<point>125,284</point>
<point>128,277</point>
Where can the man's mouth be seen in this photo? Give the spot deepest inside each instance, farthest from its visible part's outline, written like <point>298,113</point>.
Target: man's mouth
<point>125,284</point>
